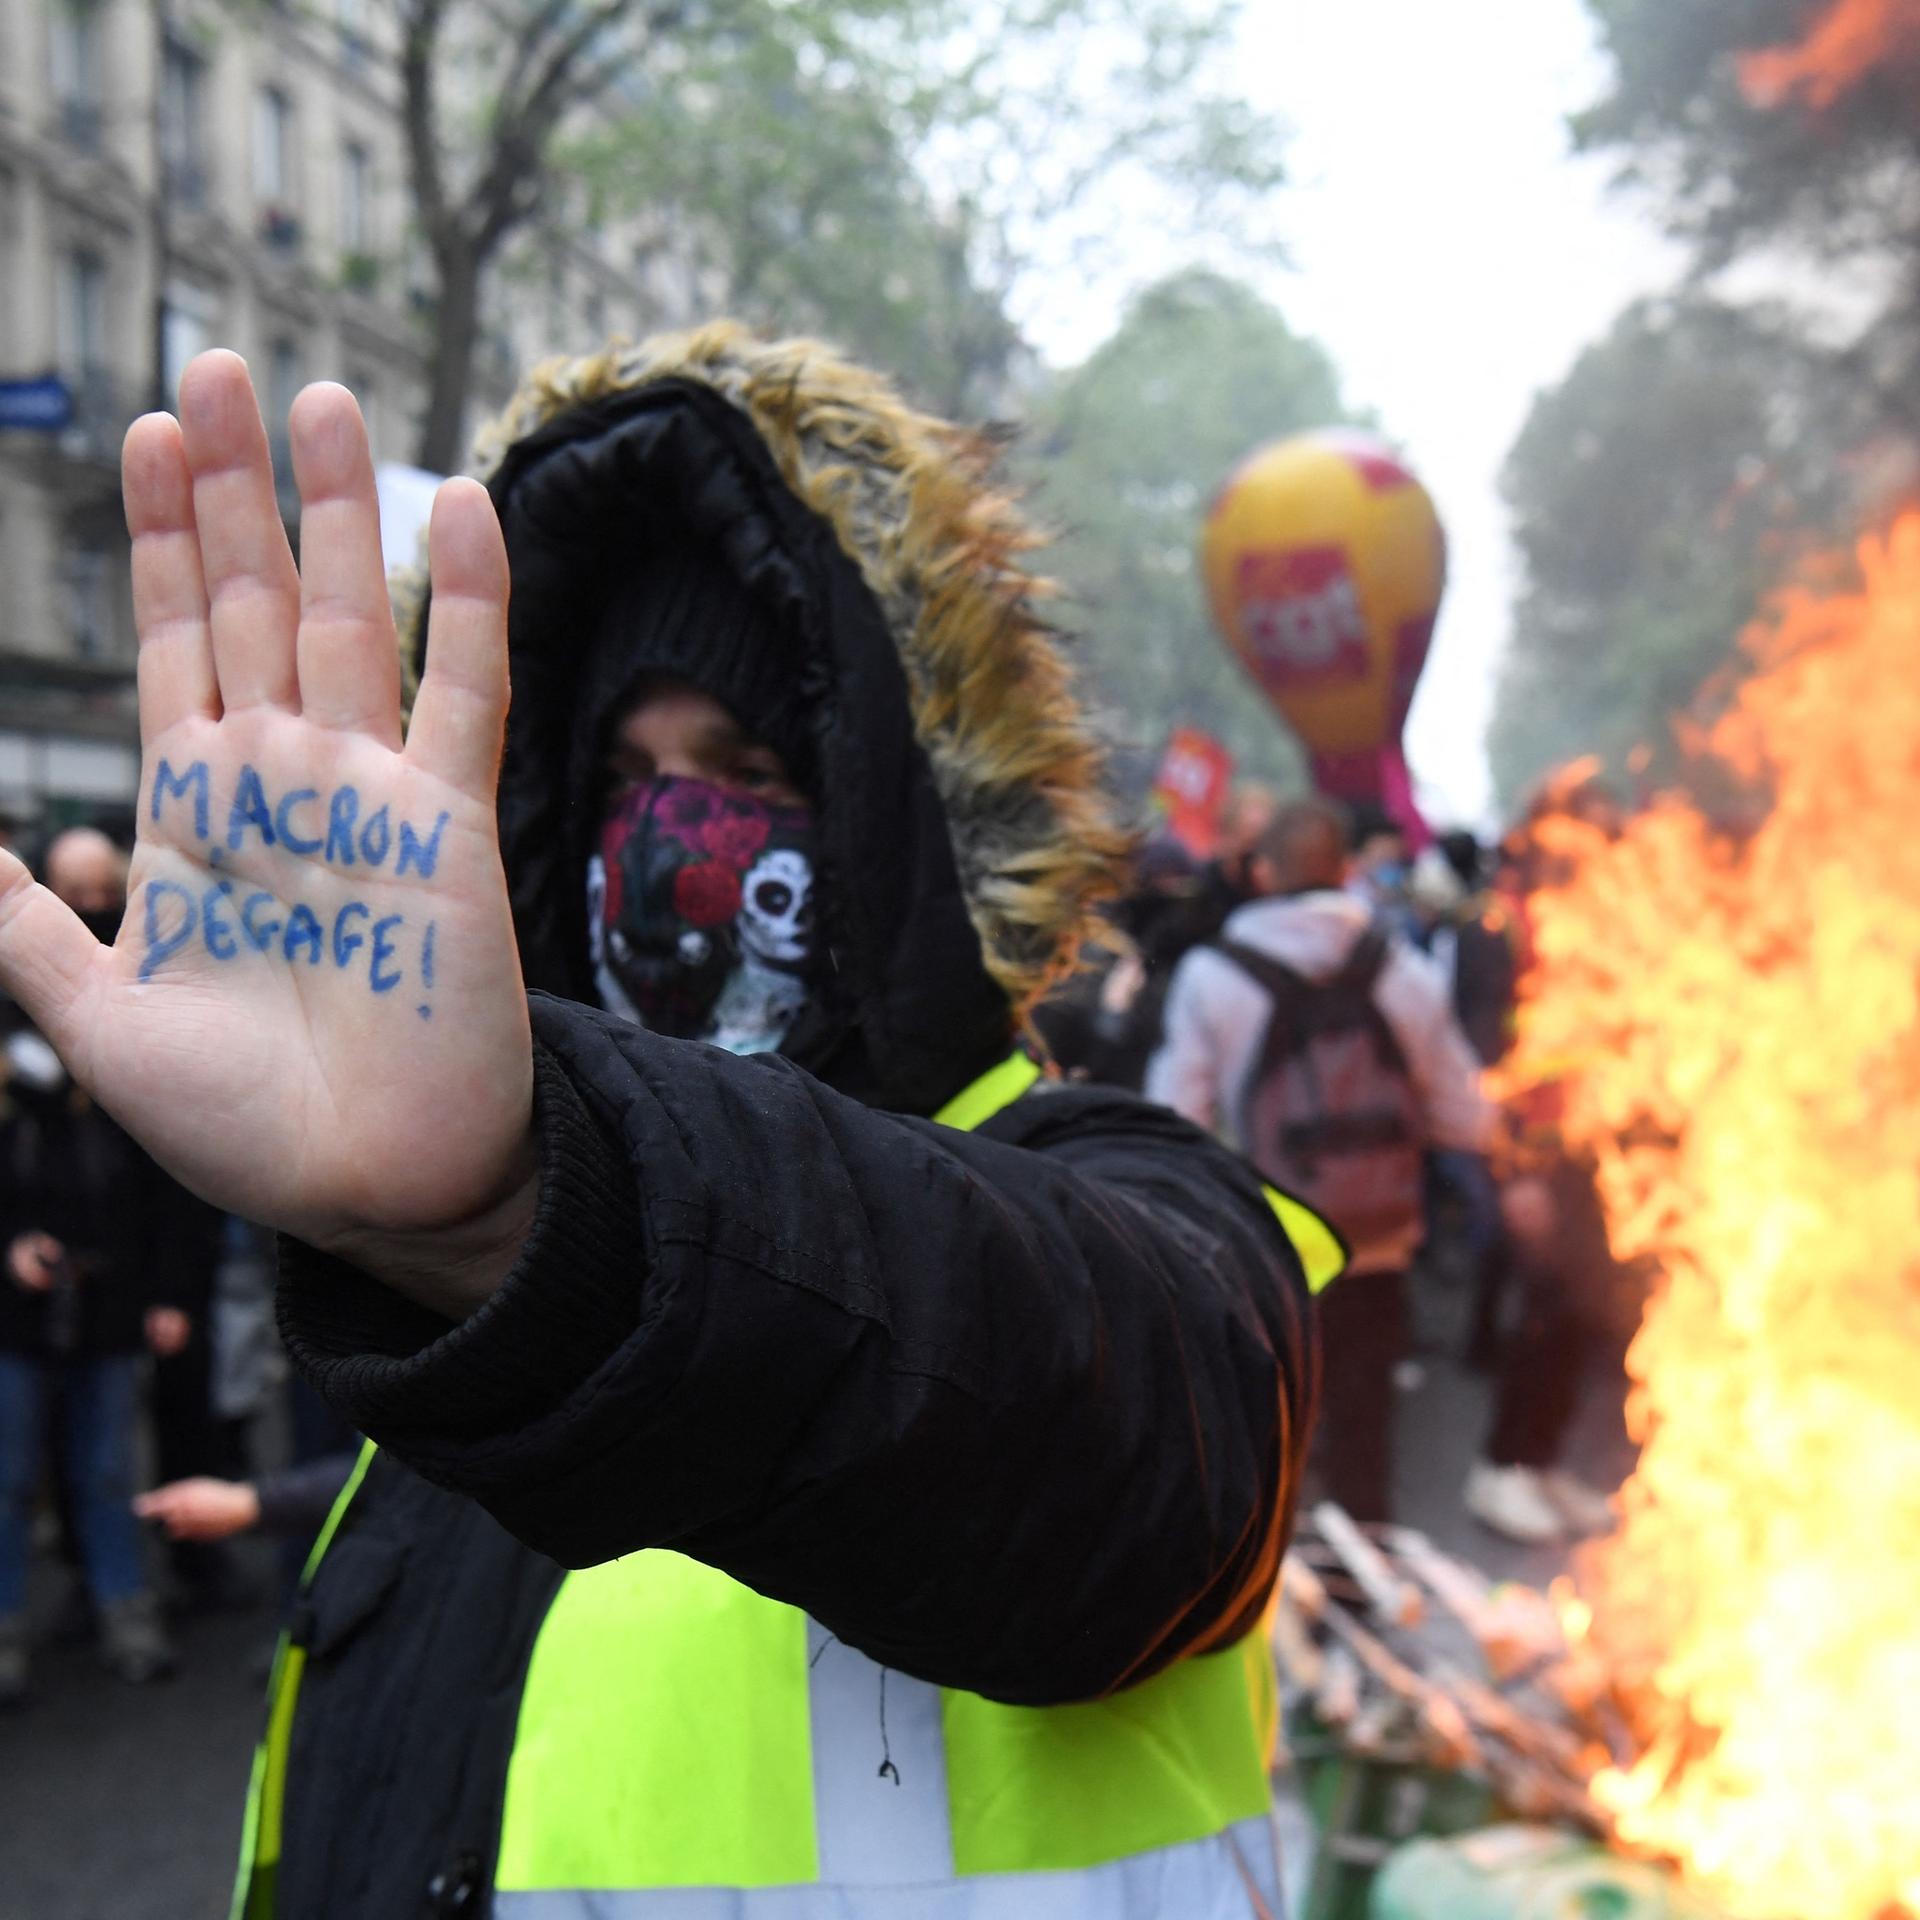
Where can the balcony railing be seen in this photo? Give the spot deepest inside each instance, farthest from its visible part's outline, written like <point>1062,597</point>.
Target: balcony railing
<point>83,125</point>
<point>280,229</point>
<point>187,184</point>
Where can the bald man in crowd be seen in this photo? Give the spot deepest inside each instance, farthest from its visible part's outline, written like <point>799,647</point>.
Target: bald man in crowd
<point>1325,1049</point>
<point>97,1251</point>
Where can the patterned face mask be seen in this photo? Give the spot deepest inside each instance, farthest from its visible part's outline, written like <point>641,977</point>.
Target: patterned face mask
<point>700,913</point>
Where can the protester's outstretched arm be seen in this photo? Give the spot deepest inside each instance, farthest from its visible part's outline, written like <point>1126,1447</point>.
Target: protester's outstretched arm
<point>1019,1411</point>
<point>313,1014</point>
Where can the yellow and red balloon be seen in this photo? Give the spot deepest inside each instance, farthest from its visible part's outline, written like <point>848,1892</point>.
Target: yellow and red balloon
<point>1325,562</point>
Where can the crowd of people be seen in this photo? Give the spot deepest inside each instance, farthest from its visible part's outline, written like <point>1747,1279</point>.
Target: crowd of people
<point>137,1358</point>
<point>1329,1001</point>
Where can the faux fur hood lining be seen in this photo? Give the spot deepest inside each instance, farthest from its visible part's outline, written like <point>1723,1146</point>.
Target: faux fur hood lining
<point>883,526</point>
<point>913,502</point>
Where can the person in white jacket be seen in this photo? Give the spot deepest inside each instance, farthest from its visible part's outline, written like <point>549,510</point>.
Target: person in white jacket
<point>1216,1044</point>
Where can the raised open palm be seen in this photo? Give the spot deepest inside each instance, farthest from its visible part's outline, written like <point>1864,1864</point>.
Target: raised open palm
<point>313,1014</point>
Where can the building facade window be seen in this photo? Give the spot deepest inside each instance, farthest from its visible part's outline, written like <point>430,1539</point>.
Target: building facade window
<point>187,322</point>
<point>350,17</point>
<point>276,186</point>
<point>87,591</point>
<point>83,315</point>
<point>356,200</point>
<point>79,88</point>
<point>183,123</point>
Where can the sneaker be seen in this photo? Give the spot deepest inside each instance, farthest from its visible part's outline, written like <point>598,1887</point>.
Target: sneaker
<point>1511,1501</point>
<point>13,1660</point>
<point>1584,1508</point>
<point>133,1642</point>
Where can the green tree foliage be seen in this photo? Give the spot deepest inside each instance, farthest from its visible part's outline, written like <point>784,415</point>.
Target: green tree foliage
<point>883,169</point>
<point>1763,133</point>
<point>1128,450</point>
<point>887,173</point>
<point>780,166</point>
<point>1695,456</point>
<point>1659,493</point>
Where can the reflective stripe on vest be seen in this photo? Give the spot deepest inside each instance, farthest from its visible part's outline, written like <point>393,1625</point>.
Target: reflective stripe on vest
<point>688,1748</point>
<point>1230,1876</point>
<point>253,1887</point>
<point>1323,1254</point>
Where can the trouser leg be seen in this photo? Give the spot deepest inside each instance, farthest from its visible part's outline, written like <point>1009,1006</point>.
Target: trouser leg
<point>1363,1332</point>
<point>22,1423</point>
<point>102,1398</point>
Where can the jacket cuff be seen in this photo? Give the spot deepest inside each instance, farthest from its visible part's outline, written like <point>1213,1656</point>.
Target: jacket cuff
<point>392,1368</point>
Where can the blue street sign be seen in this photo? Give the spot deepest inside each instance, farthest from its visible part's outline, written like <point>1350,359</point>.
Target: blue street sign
<point>44,405</point>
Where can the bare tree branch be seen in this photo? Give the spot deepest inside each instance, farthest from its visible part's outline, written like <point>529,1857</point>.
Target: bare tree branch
<point>506,194</point>
<point>527,44</point>
<point>421,21</point>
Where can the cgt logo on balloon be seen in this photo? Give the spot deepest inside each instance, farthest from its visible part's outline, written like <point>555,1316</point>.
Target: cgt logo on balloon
<point>228,921</point>
<point>1302,617</point>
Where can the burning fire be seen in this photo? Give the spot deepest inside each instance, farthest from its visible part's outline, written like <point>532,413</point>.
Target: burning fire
<point>1846,42</point>
<point>1732,1014</point>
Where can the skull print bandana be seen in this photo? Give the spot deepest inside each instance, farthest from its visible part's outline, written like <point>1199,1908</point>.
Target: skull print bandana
<point>700,913</point>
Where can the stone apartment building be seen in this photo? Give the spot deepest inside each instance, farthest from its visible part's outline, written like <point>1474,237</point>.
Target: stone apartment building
<point>178,174</point>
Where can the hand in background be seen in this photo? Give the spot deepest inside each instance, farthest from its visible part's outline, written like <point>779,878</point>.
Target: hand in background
<point>168,1330</point>
<point>34,1260</point>
<point>201,1509</point>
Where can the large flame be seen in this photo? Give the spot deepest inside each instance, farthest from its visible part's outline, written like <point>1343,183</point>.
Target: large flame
<point>1731,1013</point>
<point>1846,42</point>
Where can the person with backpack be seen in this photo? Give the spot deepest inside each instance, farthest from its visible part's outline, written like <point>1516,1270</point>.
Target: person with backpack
<point>1325,1050</point>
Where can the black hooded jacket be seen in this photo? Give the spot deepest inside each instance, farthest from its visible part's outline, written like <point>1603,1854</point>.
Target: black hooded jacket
<point>1018,1411</point>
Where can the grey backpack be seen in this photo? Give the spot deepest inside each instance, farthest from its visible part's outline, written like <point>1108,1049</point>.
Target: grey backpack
<point>1330,1114</point>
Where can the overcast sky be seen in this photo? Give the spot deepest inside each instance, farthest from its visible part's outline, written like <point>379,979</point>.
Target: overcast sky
<point>1454,258</point>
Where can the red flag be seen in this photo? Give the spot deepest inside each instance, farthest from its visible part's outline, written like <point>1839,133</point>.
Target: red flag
<point>1191,789</point>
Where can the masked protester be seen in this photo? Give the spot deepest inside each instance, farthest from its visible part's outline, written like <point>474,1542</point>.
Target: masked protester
<point>923,1438</point>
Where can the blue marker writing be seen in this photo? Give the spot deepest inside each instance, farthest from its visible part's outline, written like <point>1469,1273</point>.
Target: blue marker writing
<point>382,956</point>
<point>376,837</point>
<point>345,944</point>
<point>426,968</point>
<point>303,930</point>
<point>249,809</point>
<point>259,933</point>
<point>167,783</point>
<point>283,822</point>
<point>342,811</point>
<point>213,924</point>
<point>424,854</point>
<point>161,946</point>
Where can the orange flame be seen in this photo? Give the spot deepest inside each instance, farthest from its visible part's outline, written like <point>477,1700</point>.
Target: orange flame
<point>1848,41</point>
<point>1732,1019</point>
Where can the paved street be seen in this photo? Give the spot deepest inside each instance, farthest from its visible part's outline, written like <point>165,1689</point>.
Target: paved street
<point>117,1804</point>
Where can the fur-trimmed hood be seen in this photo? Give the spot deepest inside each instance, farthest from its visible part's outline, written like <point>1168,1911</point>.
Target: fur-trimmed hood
<point>965,834</point>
